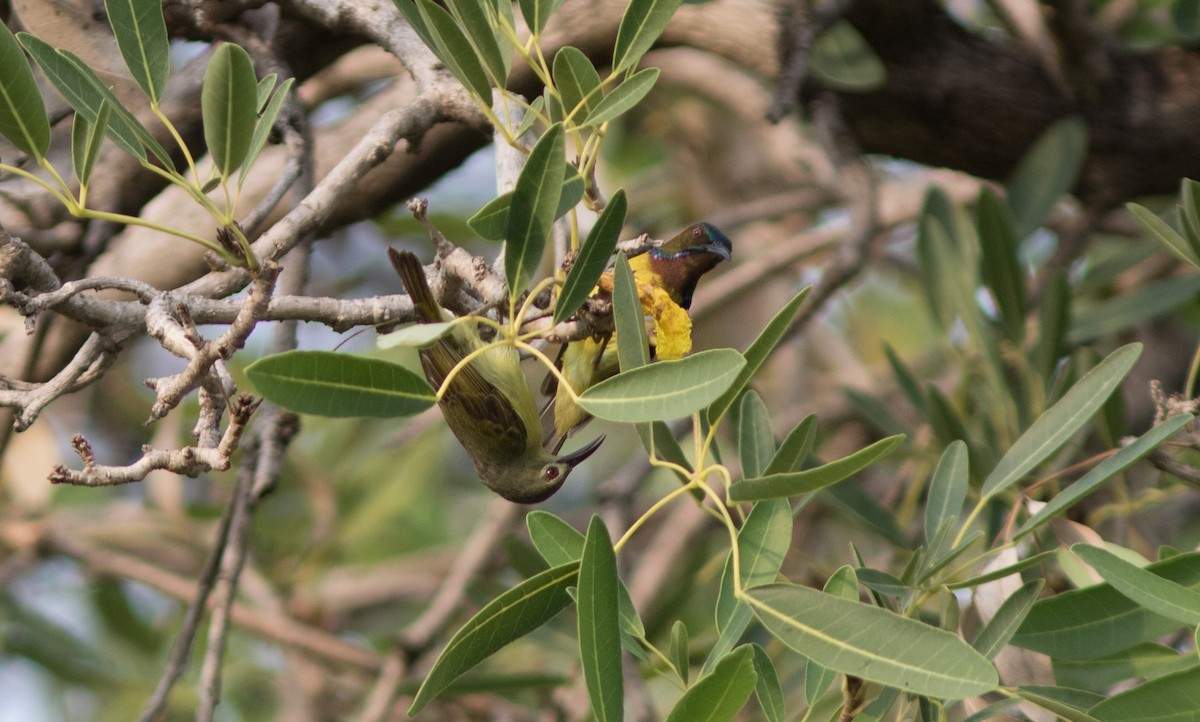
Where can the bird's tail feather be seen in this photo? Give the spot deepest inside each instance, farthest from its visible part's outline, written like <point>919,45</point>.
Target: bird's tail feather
<point>412,275</point>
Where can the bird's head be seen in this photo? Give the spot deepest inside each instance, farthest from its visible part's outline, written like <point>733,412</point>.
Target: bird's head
<point>536,476</point>
<point>681,261</point>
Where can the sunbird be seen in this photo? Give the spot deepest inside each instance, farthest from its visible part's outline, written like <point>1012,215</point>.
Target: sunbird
<point>672,269</point>
<point>488,403</point>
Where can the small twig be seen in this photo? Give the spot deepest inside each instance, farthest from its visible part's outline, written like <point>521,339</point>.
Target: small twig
<point>473,555</point>
<point>188,461</point>
<point>1163,461</point>
<point>387,685</point>
<point>96,354</point>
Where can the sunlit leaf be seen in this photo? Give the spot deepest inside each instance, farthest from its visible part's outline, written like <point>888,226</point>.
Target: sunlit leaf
<point>334,384</point>
<point>666,389</point>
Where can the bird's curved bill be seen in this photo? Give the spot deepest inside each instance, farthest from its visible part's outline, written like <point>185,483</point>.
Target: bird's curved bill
<point>577,456</point>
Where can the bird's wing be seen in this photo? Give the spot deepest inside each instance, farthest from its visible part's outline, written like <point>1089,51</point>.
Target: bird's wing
<point>474,402</point>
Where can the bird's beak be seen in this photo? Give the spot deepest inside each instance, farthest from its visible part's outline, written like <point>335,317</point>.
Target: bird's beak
<point>720,249</point>
<point>576,457</point>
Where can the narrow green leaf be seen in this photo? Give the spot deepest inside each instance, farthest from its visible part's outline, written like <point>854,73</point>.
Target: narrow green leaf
<point>947,489</point>
<point>679,649</point>
<point>491,221</point>
<point>658,440</point>
<point>872,643</point>
<point>1067,704</point>
<point>881,582</point>
<point>721,694</point>
<point>905,378</point>
<point>484,38</point>
<point>1048,170</point>
<point>756,444</point>
<point>266,85</point>
<point>757,353</point>
<point>536,13</point>
<point>263,127</point>
<point>531,212</point>
<point>23,119</point>
<point>509,616</point>
<point>417,335</point>
<point>411,11</point>
<point>1149,660</point>
<point>1190,214</point>
<point>1134,308</point>
<point>85,143</point>
<point>335,384</point>
<point>1054,427</point>
<point>1157,700</point>
<point>229,102</point>
<point>1007,620</point>
<point>1026,563</point>
<point>767,688</point>
<point>623,98</point>
<point>559,543</point>
<point>994,710</point>
<point>141,34</point>
<point>1099,621</point>
<point>643,22</point>
<point>1000,267</point>
<point>843,60</point>
<point>599,637</point>
<point>843,584</point>
<point>763,542</point>
<point>666,389</point>
<point>795,447</point>
<point>83,90</point>
<point>633,346</point>
<point>450,44</point>
<point>1156,594</point>
<point>577,81</point>
<point>593,257</point>
<point>1053,320</point>
<point>1104,471</point>
<point>799,482</point>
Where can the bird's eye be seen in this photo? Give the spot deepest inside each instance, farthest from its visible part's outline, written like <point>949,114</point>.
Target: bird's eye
<point>551,473</point>
<point>697,233</point>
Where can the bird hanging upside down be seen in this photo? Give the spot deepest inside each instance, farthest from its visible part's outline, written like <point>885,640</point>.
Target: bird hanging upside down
<point>488,403</point>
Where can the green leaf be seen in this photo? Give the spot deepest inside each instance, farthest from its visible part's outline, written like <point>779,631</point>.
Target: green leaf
<point>763,542</point>
<point>85,143</point>
<point>643,22</point>
<point>335,384</point>
<point>23,119</point>
<point>757,353</point>
<point>633,347</point>
<point>843,60</point>
<point>229,101</point>
<point>622,98</point>
<point>756,444</point>
<point>1148,660</point>
<point>83,90</point>
<point>417,335</point>
<point>1189,214</point>
<point>599,635</point>
<point>537,12</point>
<point>1161,596</point>
<point>509,616</point>
<point>872,643</point>
<point>795,447</point>
<point>947,489</point>
<point>881,582</point>
<point>721,694</point>
<point>679,649</point>
<point>1105,470</point>
<point>666,389</point>
<point>1167,698</point>
<point>1047,170</point>
<point>531,212</point>
<point>263,127</point>
<point>768,688</point>
<point>577,81</point>
<point>1066,704</point>
<point>491,221</point>
<point>843,584</point>
<point>851,499</point>
<point>559,543</point>
<point>1053,320</point>
<point>1099,621</point>
<point>1000,267</point>
<point>449,43</point>
<point>1007,620</point>
<point>141,34</point>
<point>799,482</point>
<point>266,85</point>
<point>1054,427</point>
<point>905,379</point>
<point>484,38</point>
<point>593,257</point>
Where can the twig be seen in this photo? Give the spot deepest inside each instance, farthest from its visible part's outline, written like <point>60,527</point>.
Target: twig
<point>387,684</point>
<point>800,29</point>
<point>96,354</point>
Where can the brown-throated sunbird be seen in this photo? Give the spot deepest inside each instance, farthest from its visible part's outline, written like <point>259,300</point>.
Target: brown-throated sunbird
<point>488,403</point>
<point>666,278</point>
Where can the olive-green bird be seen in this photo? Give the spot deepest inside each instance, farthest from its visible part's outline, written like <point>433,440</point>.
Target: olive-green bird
<point>674,267</point>
<point>488,404</point>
